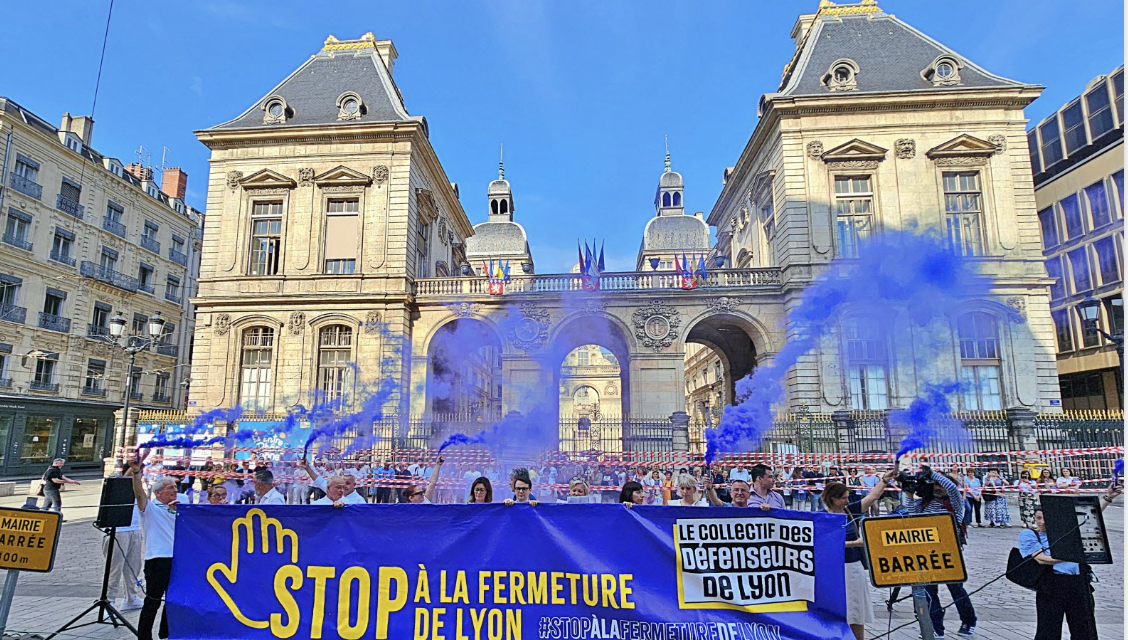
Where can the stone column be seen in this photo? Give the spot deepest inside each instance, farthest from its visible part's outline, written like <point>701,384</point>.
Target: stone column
<point>679,427</point>
<point>1020,424</point>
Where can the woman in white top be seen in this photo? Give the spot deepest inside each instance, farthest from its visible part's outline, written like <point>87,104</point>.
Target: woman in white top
<point>691,495</point>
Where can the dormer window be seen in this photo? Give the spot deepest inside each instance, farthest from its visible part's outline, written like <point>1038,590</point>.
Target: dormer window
<point>943,72</point>
<point>73,143</point>
<point>842,75</point>
<point>275,110</point>
<point>350,106</point>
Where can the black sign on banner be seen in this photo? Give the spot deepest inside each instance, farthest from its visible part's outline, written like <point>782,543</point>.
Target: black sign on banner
<point>1076,529</point>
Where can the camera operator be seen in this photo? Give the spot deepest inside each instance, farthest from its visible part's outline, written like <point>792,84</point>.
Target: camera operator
<point>923,495</point>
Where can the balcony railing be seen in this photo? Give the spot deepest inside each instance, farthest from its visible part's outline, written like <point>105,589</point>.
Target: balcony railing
<point>113,226</point>
<point>94,391</point>
<point>39,385</point>
<point>64,258</point>
<point>147,288</point>
<point>162,397</point>
<point>109,276</point>
<point>54,323</point>
<point>25,186</point>
<point>136,395</point>
<point>167,349</point>
<point>150,244</point>
<point>17,242</point>
<point>5,383</point>
<point>12,313</point>
<point>172,296</point>
<point>178,257</point>
<point>97,331</point>
<point>66,205</point>
<point>640,281</point>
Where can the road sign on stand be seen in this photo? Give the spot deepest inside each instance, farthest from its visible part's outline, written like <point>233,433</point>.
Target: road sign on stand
<point>913,550</point>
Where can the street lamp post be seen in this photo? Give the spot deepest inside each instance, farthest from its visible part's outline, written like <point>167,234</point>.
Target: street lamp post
<point>131,345</point>
<point>1090,309</point>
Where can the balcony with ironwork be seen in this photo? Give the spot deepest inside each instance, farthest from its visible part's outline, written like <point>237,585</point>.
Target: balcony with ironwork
<point>173,296</point>
<point>136,395</point>
<point>178,257</point>
<point>17,242</point>
<point>25,186</point>
<point>66,205</point>
<point>162,397</point>
<point>113,226</point>
<point>148,288</point>
<point>12,313</point>
<point>97,331</point>
<point>98,391</point>
<point>54,323</point>
<point>109,276</point>
<point>167,349</point>
<point>150,244</point>
<point>64,258</point>
<point>43,385</point>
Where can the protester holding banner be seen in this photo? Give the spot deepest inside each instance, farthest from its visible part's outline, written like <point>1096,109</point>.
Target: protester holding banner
<point>690,494</point>
<point>837,498</point>
<point>738,490</point>
<point>217,494</point>
<point>158,522</point>
<point>632,494</point>
<point>1064,592</point>
<point>522,485</point>
<point>265,493</point>
<point>350,496</point>
<point>335,489</point>
<point>763,489</point>
<point>481,491</point>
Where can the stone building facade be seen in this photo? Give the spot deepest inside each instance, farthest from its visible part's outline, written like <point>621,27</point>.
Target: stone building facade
<point>1077,156</point>
<point>85,238</point>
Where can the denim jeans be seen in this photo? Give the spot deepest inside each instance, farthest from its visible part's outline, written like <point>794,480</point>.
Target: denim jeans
<point>963,605</point>
<point>52,500</point>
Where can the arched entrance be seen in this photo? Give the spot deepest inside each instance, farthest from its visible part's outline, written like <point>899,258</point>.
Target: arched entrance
<point>464,381</point>
<point>720,349</point>
<point>588,357</point>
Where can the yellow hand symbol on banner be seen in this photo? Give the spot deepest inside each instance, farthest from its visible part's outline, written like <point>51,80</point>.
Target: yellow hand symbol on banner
<point>255,522</point>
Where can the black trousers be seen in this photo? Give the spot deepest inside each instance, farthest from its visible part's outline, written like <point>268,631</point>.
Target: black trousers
<point>157,573</point>
<point>1069,597</point>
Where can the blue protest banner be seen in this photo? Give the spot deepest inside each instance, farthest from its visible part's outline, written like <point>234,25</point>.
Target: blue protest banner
<point>491,572</point>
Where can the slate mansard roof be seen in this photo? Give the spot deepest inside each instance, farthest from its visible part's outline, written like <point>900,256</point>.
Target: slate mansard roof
<point>311,92</point>
<point>890,56</point>
<point>497,238</point>
<point>667,233</point>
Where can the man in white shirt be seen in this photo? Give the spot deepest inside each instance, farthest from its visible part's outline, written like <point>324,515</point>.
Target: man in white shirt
<point>158,521</point>
<point>740,473</point>
<point>350,496</point>
<point>265,493</point>
<point>334,492</point>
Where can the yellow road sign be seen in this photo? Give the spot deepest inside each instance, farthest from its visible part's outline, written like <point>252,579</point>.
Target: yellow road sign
<point>920,549</point>
<point>28,539</point>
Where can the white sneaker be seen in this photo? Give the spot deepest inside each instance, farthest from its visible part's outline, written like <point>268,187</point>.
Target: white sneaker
<point>131,605</point>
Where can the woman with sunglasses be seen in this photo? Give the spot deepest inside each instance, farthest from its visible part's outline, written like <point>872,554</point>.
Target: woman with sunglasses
<point>414,495</point>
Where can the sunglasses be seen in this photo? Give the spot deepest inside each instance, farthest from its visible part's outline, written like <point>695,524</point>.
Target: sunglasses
<point>412,495</point>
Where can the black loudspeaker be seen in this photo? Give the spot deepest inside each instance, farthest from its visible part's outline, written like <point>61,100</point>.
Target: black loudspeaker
<point>115,509</point>
<point>1076,529</point>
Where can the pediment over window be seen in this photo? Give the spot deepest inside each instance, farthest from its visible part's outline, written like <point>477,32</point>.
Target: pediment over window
<point>855,149</point>
<point>342,176</point>
<point>267,179</point>
<point>963,146</point>
<point>760,183</point>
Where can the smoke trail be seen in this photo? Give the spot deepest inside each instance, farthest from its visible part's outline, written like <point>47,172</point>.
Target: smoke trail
<point>925,415</point>
<point>897,273</point>
<point>200,424</point>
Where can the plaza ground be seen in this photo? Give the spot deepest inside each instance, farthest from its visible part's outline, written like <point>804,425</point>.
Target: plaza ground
<point>1006,612</point>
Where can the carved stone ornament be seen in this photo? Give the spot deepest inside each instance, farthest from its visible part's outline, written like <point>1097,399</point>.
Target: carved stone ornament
<point>305,176</point>
<point>222,324</point>
<point>531,329</point>
<point>1000,142</point>
<point>852,164</point>
<point>372,322</point>
<point>464,309</point>
<point>611,389</point>
<point>443,230</point>
<point>233,178</point>
<point>815,149</point>
<point>906,148</point>
<point>961,161</point>
<point>722,304</point>
<point>656,325</point>
<point>380,174</point>
<point>297,322</point>
<point>1017,307</point>
<point>343,188</point>
<point>593,306</point>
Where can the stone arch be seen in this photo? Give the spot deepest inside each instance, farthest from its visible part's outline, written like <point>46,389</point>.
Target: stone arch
<point>326,319</point>
<point>463,368</point>
<point>738,340</point>
<point>604,330</point>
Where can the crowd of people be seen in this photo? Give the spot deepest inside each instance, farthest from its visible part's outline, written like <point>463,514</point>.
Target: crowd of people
<point>853,491</point>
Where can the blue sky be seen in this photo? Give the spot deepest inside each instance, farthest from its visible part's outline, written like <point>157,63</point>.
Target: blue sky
<point>581,92</point>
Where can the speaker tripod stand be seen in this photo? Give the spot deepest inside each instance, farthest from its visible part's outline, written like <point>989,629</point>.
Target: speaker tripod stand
<point>107,612</point>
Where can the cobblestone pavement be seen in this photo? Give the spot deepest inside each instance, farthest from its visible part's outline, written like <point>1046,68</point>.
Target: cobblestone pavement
<point>45,601</point>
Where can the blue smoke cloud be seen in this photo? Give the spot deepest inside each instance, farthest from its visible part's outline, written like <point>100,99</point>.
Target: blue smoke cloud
<point>909,273</point>
<point>925,416</point>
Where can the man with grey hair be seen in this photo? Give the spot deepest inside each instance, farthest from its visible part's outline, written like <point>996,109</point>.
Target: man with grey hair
<point>265,493</point>
<point>350,496</point>
<point>53,479</point>
<point>334,492</point>
<point>158,522</point>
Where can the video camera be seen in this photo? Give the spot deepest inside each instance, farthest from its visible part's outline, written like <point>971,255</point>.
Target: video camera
<point>921,484</point>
